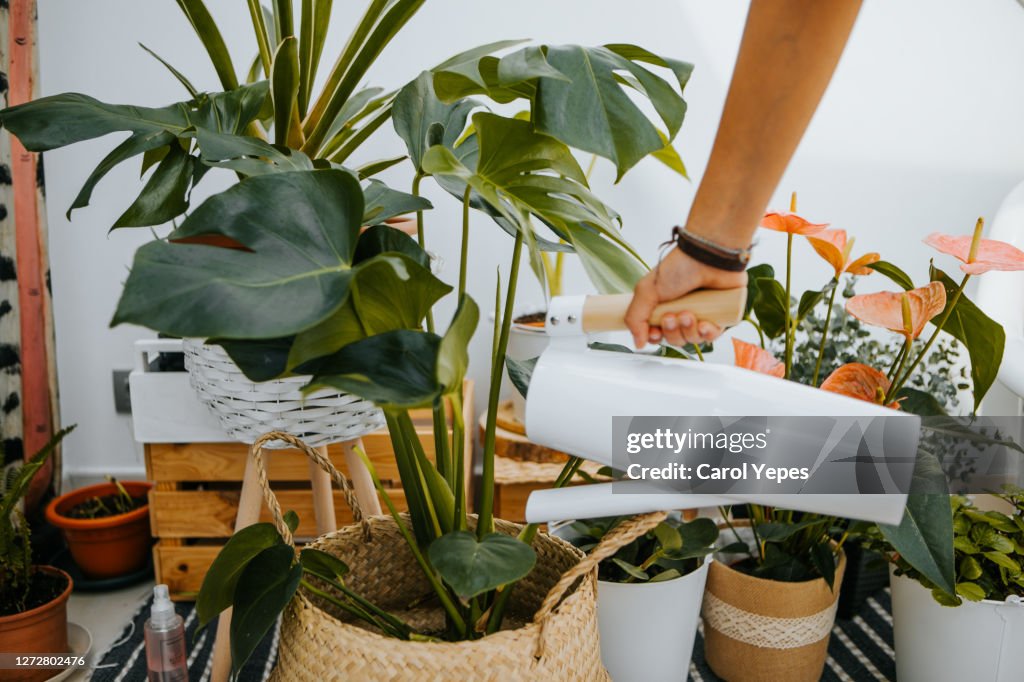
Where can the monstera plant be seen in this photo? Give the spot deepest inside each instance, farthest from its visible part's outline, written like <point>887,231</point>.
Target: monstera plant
<point>279,270</point>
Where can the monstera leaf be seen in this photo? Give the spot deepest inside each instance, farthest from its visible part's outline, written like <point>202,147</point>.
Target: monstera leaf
<point>580,96</point>
<point>56,121</point>
<point>300,232</point>
<point>422,120</point>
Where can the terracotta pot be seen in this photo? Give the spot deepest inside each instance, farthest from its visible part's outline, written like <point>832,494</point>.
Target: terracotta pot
<point>758,630</point>
<point>106,547</point>
<point>42,630</point>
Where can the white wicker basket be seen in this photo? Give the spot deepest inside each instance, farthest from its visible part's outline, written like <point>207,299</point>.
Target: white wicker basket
<point>248,409</point>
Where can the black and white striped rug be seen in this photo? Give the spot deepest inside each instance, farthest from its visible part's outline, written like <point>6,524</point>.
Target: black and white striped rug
<point>860,649</point>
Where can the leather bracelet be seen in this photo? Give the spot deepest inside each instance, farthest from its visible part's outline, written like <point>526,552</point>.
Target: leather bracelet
<point>709,253</point>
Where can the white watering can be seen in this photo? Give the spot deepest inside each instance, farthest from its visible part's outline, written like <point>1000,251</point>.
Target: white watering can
<point>575,391</point>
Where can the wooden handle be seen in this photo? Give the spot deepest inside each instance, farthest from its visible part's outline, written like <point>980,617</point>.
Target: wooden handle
<point>724,307</point>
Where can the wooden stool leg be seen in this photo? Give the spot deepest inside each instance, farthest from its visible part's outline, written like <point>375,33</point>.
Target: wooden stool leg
<point>249,503</point>
<point>362,482</point>
<point>323,497</point>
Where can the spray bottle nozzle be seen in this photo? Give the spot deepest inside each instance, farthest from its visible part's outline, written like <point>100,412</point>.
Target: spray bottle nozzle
<point>162,614</point>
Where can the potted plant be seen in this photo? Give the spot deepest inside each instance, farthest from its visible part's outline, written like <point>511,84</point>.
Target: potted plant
<point>33,598</point>
<point>978,638</point>
<point>772,595</point>
<point>351,311</point>
<point>106,527</point>
<point>649,594</point>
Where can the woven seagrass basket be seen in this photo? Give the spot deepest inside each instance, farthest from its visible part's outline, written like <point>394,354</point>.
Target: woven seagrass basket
<point>551,630</point>
<point>247,409</point>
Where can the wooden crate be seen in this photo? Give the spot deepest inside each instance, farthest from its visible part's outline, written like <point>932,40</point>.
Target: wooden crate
<point>196,489</point>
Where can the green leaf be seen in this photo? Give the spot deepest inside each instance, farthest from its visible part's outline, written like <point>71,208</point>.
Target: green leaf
<point>824,561</point>
<point>59,120</point>
<point>248,155</point>
<point>382,203</point>
<point>393,292</point>
<point>520,372</point>
<point>368,170</point>
<point>322,564</point>
<point>165,195</point>
<point>264,588</point>
<point>779,532</point>
<point>453,354</point>
<point>983,337</point>
<point>808,301</point>
<point>259,360</point>
<point>894,273</point>
<point>395,370</point>
<point>138,143</point>
<point>670,157</point>
<point>503,79</point>
<point>16,488</point>
<point>969,567</point>
<point>218,590</point>
<point>630,569</point>
<point>770,306</point>
<point>422,120</point>
<point>698,536</point>
<point>920,402</point>
<point>284,88</point>
<point>1004,561</point>
<point>291,519</point>
<point>299,270</point>
<point>668,537</point>
<point>384,239</point>
<point>924,537</point>
<point>611,268</point>
<point>762,271</point>
<point>970,591</point>
<point>206,28</point>
<point>471,567</point>
<point>669,574</point>
<point>174,72</point>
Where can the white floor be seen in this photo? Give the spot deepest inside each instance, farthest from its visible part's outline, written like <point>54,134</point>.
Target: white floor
<point>104,614</point>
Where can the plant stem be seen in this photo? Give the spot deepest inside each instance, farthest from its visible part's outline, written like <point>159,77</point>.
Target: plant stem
<point>459,460</point>
<point>421,238</point>
<point>897,361</point>
<point>789,330</point>
<point>824,335</point>
<point>486,522</point>
<point>760,332</point>
<point>903,355</point>
<point>464,256</point>
<point>901,380</point>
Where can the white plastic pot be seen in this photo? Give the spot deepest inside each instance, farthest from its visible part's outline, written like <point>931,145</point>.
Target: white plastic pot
<point>647,629</point>
<point>981,641</point>
<point>524,342</point>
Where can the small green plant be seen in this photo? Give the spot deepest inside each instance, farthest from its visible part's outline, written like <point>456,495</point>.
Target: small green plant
<point>670,550</point>
<point>101,506</point>
<point>785,545</point>
<point>16,572</point>
<point>989,552</point>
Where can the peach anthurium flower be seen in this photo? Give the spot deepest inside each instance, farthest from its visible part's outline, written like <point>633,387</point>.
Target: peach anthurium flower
<point>833,246</point>
<point>861,382</point>
<point>887,309</point>
<point>749,356</point>
<point>990,254</point>
<point>790,223</point>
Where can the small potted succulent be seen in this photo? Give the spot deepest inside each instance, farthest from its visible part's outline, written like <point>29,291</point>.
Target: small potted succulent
<point>649,594</point>
<point>980,639</point>
<point>33,598</point>
<point>772,594</point>
<point>106,527</point>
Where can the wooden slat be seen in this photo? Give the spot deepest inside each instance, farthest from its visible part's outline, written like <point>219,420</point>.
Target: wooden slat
<point>182,568</point>
<point>211,513</point>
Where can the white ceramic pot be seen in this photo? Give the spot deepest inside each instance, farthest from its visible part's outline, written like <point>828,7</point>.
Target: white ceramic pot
<point>647,629</point>
<point>981,641</point>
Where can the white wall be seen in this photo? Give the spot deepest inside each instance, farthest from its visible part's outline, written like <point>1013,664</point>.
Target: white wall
<point>920,131</point>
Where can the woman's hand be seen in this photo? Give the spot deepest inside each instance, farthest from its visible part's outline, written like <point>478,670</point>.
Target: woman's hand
<point>676,275</point>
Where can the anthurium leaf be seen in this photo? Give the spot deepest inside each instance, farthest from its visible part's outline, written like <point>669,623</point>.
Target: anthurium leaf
<point>924,537</point>
<point>810,299</point>
<point>520,372</point>
<point>894,273</point>
<point>290,278</point>
<point>422,120</point>
<point>218,588</point>
<point>762,271</point>
<point>770,306</point>
<point>382,203</point>
<point>164,195</point>
<point>453,355</point>
<point>592,112</point>
<point>824,561</point>
<point>59,120</point>
<point>920,403</point>
<point>322,564</point>
<point>264,588</point>
<point>983,337</point>
<point>138,143</point>
<point>394,369</point>
<point>471,567</point>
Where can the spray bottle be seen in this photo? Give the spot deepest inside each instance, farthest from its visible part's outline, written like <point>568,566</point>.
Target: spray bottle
<point>165,640</point>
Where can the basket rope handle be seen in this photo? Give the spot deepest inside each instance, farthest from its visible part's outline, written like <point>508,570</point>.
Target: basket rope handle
<point>323,462</point>
<point>616,539</point>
